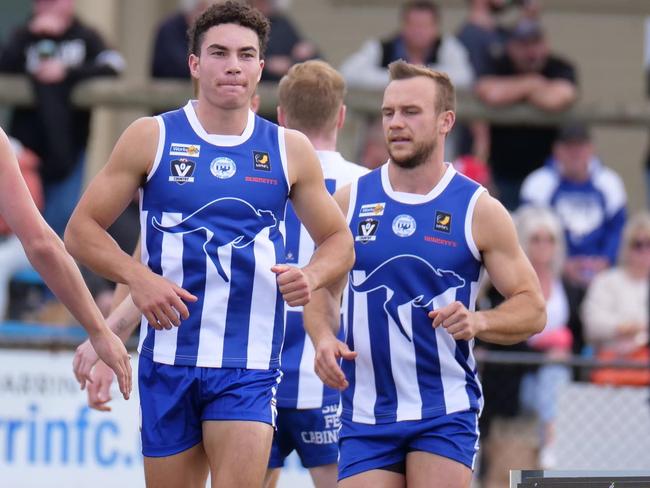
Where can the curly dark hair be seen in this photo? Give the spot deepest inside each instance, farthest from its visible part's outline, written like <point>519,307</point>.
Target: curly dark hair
<point>230,12</point>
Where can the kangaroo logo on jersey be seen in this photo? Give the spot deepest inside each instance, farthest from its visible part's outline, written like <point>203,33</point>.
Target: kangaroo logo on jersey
<point>262,160</point>
<point>182,171</point>
<point>372,209</point>
<point>212,218</point>
<point>438,282</point>
<point>404,225</point>
<point>367,230</point>
<point>443,221</point>
<point>192,150</point>
<point>223,168</point>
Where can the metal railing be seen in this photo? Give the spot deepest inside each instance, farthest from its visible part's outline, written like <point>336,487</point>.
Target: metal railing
<point>163,94</point>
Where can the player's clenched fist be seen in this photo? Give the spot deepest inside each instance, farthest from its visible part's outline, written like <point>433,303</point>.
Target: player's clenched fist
<point>294,284</point>
<point>458,321</point>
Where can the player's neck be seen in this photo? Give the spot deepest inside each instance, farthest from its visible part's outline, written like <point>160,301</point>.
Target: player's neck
<point>322,142</point>
<point>419,180</point>
<point>223,122</point>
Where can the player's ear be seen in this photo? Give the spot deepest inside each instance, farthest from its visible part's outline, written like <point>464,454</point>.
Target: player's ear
<point>259,76</point>
<point>282,118</point>
<point>341,116</point>
<point>193,62</point>
<point>446,121</point>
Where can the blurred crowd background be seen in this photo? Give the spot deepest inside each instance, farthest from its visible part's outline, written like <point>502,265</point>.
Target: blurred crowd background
<point>553,119</point>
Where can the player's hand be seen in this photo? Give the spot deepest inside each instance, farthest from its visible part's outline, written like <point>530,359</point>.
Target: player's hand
<point>326,362</point>
<point>458,321</point>
<point>110,349</point>
<point>85,358</point>
<point>160,300</point>
<point>99,390</point>
<point>294,284</point>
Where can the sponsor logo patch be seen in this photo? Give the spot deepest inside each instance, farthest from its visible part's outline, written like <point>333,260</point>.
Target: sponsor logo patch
<point>178,149</point>
<point>367,231</point>
<point>404,225</point>
<point>223,168</point>
<point>182,171</point>
<point>262,161</point>
<point>443,221</point>
<point>372,209</point>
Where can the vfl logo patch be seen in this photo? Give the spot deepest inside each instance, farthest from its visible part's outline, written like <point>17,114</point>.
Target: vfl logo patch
<point>262,160</point>
<point>223,168</point>
<point>404,225</point>
<point>443,221</point>
<point>182,171</point>
<point>372,209</point>
<point>367,230</point>
<point>177,149</point>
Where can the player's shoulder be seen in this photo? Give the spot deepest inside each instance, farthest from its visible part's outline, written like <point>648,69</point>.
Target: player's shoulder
<point>490,214</point>
<point>345,171</point>
<point>143,126</point>
<point>296,139</point>
<point>356,170</point>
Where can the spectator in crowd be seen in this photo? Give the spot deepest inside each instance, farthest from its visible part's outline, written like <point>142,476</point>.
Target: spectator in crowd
<point>589,199</point>
<point>170,44</point>
<point>56,51</point>
<point>481,34</point>
<point>615,309</point>
<point>419,41</point>
<point>542,237</point>
<point>286,45</point>
<point>529,73</point>
<point>12,255</point>
<point>484,38</point>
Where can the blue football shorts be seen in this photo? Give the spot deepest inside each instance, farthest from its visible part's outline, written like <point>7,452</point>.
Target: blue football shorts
<point>175,400</point>
<point>312,433</point>
<point>364,447</point>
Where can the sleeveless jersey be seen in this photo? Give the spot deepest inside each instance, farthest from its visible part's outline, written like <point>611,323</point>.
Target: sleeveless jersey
<point>211,214</point>
<point>414,253</point>
<point>300,387</point>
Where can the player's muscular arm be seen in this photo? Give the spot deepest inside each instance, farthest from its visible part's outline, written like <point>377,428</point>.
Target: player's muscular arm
<point>324,221</point>
<point>523,313</point>
<point>322,321</point>
<point>105,199</point>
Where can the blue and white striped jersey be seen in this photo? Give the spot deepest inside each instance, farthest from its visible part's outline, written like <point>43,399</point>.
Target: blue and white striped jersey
<point>300,387</point>
<point>211,210</point>
<point>414,253</point>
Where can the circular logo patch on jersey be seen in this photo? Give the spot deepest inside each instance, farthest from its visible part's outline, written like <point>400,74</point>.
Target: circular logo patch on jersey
<point>404,225</point>
<point>223,168</point>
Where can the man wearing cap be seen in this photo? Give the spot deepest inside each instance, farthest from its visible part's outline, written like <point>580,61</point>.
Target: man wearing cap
<point>527,73</point>
<point>589,199</point>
